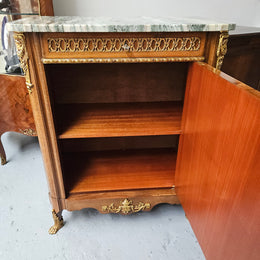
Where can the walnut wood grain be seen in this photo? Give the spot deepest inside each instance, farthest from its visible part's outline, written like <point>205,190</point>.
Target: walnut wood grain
<point>15,108</point>
<point>217,175</point>
<point>121,119</point>
<point>118,170</point>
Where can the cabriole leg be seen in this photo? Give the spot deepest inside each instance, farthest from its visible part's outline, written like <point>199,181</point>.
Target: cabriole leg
<point>2,153</point>
<point>58,222</point>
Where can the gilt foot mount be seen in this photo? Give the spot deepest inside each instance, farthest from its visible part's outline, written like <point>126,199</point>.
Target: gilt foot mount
<point>58,223</point>
<point>3,159</point>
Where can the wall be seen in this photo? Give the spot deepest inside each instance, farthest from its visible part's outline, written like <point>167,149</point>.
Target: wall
<point>241,12</point>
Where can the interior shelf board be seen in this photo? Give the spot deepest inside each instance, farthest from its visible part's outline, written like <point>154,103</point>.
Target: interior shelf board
<point>119,119</point>
<point>119,170</point>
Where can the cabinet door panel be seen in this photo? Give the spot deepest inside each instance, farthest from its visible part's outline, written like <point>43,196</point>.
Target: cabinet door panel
<point>218,167</point>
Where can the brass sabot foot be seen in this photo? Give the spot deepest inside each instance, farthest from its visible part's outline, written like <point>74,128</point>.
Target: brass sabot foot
<point>3,159</point>
<point>58,223</point>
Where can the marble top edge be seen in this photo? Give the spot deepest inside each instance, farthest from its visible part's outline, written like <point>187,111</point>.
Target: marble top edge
<point>106,24</point>
<point>243,30</point>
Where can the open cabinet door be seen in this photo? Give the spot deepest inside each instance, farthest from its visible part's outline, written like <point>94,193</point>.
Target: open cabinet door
<point>218,167</point>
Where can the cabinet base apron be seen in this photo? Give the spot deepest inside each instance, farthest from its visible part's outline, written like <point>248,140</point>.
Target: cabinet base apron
<point>119,202</point>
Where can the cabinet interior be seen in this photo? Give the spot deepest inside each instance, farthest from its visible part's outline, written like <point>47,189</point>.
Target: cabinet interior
<point>117,125</point>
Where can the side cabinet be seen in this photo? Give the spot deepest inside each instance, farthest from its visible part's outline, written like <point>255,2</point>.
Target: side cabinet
<point>130,120</point>
<point>15,108</point>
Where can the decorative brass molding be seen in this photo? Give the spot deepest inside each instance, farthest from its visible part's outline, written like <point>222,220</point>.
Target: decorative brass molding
<point>3,159</point>
<point>126,207</point>
<point>222,49</point>
<point>24,59</point>
<point>28,131</point>
<point>29,87</point>
<point>58,223</point>
<point>123,44</point>
<point>39,7</point>
<point>123,60</point>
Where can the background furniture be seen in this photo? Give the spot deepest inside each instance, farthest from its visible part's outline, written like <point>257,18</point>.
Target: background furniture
<point>21,8</point>
<point>15,107</point>
<point>243,57</point>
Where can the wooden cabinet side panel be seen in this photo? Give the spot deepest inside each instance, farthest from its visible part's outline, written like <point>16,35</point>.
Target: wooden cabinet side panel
<point>217,175</point>
<point>44,122</point>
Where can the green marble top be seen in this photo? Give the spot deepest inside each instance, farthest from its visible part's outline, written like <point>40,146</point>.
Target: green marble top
<point>106,24</point>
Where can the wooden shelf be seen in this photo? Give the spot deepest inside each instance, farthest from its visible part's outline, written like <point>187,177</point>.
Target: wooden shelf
<point>118,170</point>
<point>118,119</point>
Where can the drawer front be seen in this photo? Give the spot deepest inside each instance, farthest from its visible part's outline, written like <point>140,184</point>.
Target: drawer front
<point>115,46</point>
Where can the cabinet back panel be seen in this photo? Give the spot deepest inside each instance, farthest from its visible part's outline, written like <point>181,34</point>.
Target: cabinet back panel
<point>119,143</point>
<point>109,83</point>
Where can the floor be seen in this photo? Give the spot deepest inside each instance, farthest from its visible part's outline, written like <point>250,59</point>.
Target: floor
<point>163,233</point>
